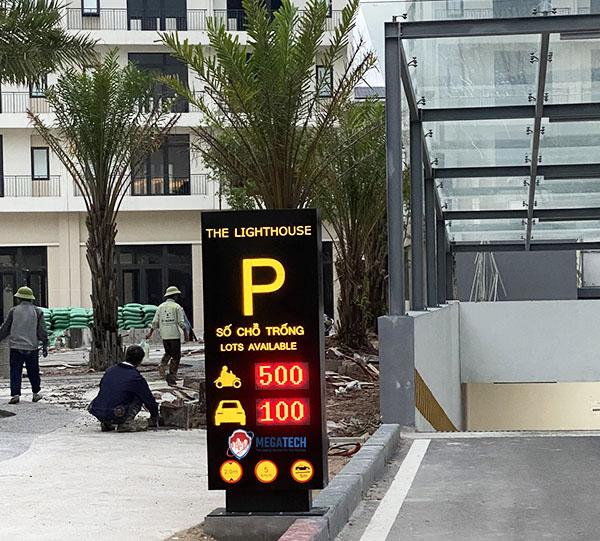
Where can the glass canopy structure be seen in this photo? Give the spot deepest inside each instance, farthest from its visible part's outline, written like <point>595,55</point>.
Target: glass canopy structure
<point>504,128</point>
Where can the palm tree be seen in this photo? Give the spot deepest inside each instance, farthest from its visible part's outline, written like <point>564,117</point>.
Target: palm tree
<point>33,43</point>
<point>107,120</point>
<point>354,206</point>
<point>266,114</point>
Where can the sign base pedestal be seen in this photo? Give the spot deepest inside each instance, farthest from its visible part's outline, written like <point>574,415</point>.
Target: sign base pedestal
<point>263,526</point>
<point>261,501</point>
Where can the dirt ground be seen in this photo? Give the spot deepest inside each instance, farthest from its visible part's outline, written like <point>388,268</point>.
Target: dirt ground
<point>353,413</point>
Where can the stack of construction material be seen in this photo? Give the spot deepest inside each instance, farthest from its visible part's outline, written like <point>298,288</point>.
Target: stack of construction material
<point>90,317</point>
<point>78,318</point>
<point>61,319</point>
<point>48,319</point>
<point>120,319</point>
<point>133,317</point>
<point>149,310</point>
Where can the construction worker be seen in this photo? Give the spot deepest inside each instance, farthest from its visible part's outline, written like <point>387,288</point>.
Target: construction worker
<point>26,327</point>
<point>170,321</point>
<point>123,390</point>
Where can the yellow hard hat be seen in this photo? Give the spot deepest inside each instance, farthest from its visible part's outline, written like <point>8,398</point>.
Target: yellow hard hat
<point>25,293</point>
<point>172,290</point>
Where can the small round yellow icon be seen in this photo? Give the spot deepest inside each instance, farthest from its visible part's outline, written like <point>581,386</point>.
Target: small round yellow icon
<point>231,471</point>
<point>302,471</point>
<point>266,471</point>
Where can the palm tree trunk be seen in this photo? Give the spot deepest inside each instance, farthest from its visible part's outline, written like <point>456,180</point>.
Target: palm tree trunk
<point>106,343</point>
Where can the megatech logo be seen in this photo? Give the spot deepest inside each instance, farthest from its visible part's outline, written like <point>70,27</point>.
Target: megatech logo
<point>240,442</point>
<point>280,443</point>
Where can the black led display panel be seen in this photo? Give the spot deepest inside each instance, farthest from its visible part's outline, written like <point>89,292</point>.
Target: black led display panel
<point>264,338</point>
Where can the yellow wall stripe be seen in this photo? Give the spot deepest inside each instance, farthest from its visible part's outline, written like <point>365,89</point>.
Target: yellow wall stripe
<point>430,407</point>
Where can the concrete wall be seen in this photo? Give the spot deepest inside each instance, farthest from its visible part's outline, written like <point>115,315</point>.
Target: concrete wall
<point>526,275</point>
<point>427,341</point>
<point>530,341</point>
<point>437,359</point>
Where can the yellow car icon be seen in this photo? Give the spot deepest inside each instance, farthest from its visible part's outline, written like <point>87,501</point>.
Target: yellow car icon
<point>230,411</point>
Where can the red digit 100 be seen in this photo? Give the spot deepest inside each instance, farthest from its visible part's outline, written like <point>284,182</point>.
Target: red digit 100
<point>282,411</point>
<point>281,375</point>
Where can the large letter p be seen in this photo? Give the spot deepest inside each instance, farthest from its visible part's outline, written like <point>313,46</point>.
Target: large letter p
<point>249,289</point>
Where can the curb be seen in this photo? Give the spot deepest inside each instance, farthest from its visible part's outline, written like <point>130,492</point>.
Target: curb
<point>347,488</point>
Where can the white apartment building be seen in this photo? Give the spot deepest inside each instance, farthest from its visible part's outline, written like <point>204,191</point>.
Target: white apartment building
<point>43,233</point>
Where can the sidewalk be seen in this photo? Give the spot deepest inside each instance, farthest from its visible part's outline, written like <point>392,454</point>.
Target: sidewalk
<point>78,483</point>
<point>63,479</point>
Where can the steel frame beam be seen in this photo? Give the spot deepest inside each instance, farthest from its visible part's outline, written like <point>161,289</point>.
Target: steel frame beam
<point>414,113</point>
<point>393,128</point>
<point>416,216</point>
<point>572,112</point>
<point>543,215</point>
<point>520,247</point>
<point>583,170</point>
<point>454,28</point>
<point>537,128</point>
<point>430,242</point>
<point>442,248</point>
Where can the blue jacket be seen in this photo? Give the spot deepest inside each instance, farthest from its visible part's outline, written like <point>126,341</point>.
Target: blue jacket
<point>119,386</point>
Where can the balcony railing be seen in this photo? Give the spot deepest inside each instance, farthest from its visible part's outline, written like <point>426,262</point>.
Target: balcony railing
<point>196,184</point>
<point>19,102</point>
<point>122,19</point>
<point>235,19</point>
<point>189,185</point>
<point>27,186</point>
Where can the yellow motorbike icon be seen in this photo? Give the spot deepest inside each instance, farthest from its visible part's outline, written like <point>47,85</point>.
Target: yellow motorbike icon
<point>227,379</point>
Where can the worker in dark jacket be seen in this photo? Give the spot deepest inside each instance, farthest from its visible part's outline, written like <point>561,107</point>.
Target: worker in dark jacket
<point>123,391</point>
<point>26,327</point>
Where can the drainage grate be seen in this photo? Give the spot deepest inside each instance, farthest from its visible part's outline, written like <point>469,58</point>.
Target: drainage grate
<point>4,413</point>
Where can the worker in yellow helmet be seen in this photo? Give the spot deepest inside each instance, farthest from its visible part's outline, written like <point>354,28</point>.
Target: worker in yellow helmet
<point>169,320</point>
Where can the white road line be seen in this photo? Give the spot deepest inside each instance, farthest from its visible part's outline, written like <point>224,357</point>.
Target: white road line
<point>384,517</point>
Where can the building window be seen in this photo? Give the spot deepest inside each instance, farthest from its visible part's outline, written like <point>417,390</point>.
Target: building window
<point>40,163</point>
<point>324,82</point>
<point>164,64</point>
<point>157,14</point>
<point>166,171</point>
<point>454,8</point>
<point>145,272</point>
<point>38,89</point>
<point>90,8</point>
<point>22,266</point>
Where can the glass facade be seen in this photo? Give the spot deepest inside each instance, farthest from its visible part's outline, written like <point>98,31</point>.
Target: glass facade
<point>503,98</point>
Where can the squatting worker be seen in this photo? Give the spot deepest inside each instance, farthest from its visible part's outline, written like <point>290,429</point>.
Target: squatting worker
<point>123,390</point>
<point>170,321</point>
<point>26,327</point>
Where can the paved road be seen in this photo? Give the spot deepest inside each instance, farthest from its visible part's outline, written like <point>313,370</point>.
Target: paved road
<point>486,488</point>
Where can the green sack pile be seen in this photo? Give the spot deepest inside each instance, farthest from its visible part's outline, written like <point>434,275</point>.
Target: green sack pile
<point>133,317</point>
<point>61,319</point>
<point>78,318</point>
<point>149,310</point>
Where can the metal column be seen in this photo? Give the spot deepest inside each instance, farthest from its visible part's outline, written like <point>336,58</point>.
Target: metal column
<point>441,260</point>
<point>430,242</point>
<point>449,275</point>
<point>416,216</point>
<point>393,123</point>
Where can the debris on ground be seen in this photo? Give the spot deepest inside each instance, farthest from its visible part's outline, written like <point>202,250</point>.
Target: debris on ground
<point>352,384</point>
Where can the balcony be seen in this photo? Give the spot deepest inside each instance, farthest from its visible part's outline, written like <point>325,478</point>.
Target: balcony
<point>189,185</point>
<point>27,186</point>
<point>196,184</point>
<point>20,102</point>
<point>122,19</point>
<point>195,19</point>
<point>235,19</point>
